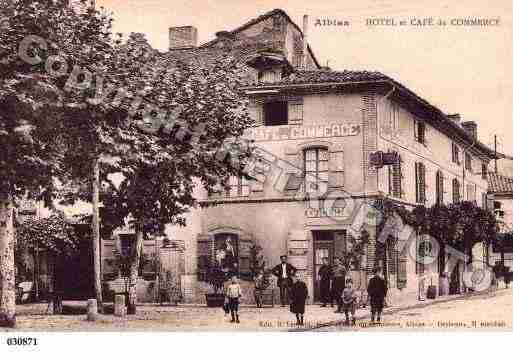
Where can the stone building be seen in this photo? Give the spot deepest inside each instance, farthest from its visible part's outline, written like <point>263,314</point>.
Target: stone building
<point>325,125</point>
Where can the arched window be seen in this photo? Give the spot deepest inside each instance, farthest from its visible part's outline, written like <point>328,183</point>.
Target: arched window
<point>456,190</point>
<point>226,252</point>
<point>316,165</point>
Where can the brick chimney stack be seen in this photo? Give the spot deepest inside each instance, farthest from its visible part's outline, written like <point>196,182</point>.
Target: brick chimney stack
<point>183,37</point>
<point>471,128</point>
<point>456,117</point>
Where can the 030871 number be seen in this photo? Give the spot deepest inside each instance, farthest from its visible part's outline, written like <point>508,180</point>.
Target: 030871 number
<point>22,341</point>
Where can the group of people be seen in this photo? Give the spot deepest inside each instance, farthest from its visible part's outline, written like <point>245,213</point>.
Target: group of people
<point>334,287</point>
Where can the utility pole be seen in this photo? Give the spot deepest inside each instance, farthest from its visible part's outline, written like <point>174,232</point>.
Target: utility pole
<point>495,152</point>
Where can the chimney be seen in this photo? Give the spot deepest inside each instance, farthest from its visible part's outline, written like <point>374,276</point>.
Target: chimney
<point>225,37</point>
<point>471,128</point>
<point>305,41</point>
<point>456,117</point>
<point>183,37</point>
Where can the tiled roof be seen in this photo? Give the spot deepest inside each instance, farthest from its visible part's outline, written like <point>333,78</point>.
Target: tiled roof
<point>499,184</point>
<point>326,76</point>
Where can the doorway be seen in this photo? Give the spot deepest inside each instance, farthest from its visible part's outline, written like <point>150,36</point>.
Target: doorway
<point>327,244</point>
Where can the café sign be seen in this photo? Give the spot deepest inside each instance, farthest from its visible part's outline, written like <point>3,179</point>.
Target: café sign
<point>332,212</point>
<point>278,133</point>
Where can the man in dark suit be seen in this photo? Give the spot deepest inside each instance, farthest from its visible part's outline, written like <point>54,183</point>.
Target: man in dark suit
<point>284,272</point>
<point>377,290</point>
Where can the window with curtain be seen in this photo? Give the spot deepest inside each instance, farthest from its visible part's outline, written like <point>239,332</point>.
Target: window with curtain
<point>316,164</point>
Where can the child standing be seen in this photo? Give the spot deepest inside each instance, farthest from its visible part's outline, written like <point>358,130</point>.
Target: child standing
<point>349,298</point>
<point>259,288</point>
<point>234,293</point>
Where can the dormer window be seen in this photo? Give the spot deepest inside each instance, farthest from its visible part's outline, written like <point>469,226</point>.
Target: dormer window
<point>269,76</point>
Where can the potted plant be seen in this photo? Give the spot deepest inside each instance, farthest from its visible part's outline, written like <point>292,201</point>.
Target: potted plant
<point>216,278</point>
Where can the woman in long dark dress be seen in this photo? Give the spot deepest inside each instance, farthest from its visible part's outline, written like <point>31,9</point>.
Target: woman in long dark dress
<point>325,274</point>
<point>298,294</point>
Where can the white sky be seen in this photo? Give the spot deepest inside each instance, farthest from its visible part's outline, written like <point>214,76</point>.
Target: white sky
<point>459,69</point>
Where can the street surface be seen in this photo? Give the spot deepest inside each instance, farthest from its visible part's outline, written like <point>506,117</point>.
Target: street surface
<point>483,312</point>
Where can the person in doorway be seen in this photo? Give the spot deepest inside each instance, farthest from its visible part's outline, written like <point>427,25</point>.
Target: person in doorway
<point>349,299</point>
<point>234,293</point>
<point>284,271</point>
<point>325,274</point>
<point>298,296</point>
<point>338,285</point>
<point>377,291</point>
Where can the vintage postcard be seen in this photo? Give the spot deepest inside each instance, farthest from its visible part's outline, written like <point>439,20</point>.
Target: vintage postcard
<point>255,166</point>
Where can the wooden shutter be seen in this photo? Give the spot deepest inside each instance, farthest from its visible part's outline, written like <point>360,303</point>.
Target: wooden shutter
<point>371,255</point>
<point>296,111</point>
<point>336,167</point>
<point>205,253</point>
<point>420,179</point>
<point>255,112</point>
<point>397,179</point>
<point>245,244</point>
<point>293,169</point>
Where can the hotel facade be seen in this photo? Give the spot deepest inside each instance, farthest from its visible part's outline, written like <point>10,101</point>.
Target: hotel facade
<point>318,128</point>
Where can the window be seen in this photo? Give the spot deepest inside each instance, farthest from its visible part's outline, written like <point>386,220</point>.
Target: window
<point>395,177</point>
<point>239,187</point>
<point>394,117</point>
<point>471,193</point>
<point>420,182</point>
<point>226,251</point>
<point>439,187</point>
<point>455,191</point>
<point>484,171</point>
<point>455,154</point>
<point>468,162</point>
<point>316,170</point>
<point>420,131</point>
<point>276,113</point>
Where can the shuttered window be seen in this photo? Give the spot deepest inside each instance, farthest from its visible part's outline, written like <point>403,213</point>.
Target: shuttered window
<point>420,131</point>
<point>484,171</point>
<point>296,111</point>
<point>468,162</point>
<point>420,182</point>
<point>439,187</point>
<point>456,197</point>
<point>455,154</point>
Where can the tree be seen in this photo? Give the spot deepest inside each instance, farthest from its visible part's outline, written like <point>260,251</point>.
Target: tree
<point>175,156</point>
<point>54,235</point>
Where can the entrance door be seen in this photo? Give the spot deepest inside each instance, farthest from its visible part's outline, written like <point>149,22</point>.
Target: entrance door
<point>323,248</point>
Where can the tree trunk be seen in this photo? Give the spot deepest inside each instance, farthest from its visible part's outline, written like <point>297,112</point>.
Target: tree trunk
<point>7,283</point>
<point>96,235</point>
<point>134,270</point>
